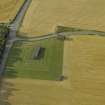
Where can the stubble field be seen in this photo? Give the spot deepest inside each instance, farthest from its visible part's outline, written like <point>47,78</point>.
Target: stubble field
<point>84,63</point>
<point>34,92</point>
<point>9,9</point>
<point>43,16</point>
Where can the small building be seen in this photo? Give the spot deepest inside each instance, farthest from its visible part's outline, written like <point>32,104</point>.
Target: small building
<point>37,52</point>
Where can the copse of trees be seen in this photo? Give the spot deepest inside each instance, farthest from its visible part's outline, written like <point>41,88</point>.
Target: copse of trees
<point>4,31</point>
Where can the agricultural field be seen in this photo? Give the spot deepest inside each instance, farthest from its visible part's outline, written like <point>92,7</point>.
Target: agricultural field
<point>44,15</point>
<point>9,9</point>
<point>83,67</point>
<point>25,77</point>
<point>69,70</point>
<point>22,64</point>
<point>34,92</point>
<point>84,64</point>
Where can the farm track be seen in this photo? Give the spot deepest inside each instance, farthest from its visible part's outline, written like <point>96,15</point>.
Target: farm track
<point>88,32</point>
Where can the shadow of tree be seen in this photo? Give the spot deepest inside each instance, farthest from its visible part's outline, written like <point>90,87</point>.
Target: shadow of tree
<point>11,73</point>
<point>6,90</point>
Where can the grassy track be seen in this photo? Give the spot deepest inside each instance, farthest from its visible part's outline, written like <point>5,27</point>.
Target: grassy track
<point>21,63</point>
<point>44,15</point>
<point>9,9</point>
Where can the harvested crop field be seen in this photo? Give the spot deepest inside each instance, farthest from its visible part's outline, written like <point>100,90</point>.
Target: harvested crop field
<point>34,92</point>
<point>9,9</point>
<point>84,64</point>
<point>44,15</point>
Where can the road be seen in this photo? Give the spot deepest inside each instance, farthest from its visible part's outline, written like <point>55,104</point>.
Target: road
<point>14,26</point>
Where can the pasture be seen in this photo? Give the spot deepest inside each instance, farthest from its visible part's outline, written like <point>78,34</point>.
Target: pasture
<point>9,9</point>
<point>43,16</point>
<point>22,64</point>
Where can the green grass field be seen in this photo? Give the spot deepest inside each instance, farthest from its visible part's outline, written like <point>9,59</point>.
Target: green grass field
<point>21,63</point>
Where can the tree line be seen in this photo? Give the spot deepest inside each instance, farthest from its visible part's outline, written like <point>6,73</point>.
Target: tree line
<point>4,31</point>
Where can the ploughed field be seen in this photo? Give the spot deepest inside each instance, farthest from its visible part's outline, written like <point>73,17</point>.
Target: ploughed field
<point>9,9</point>
<point>43,16</point>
